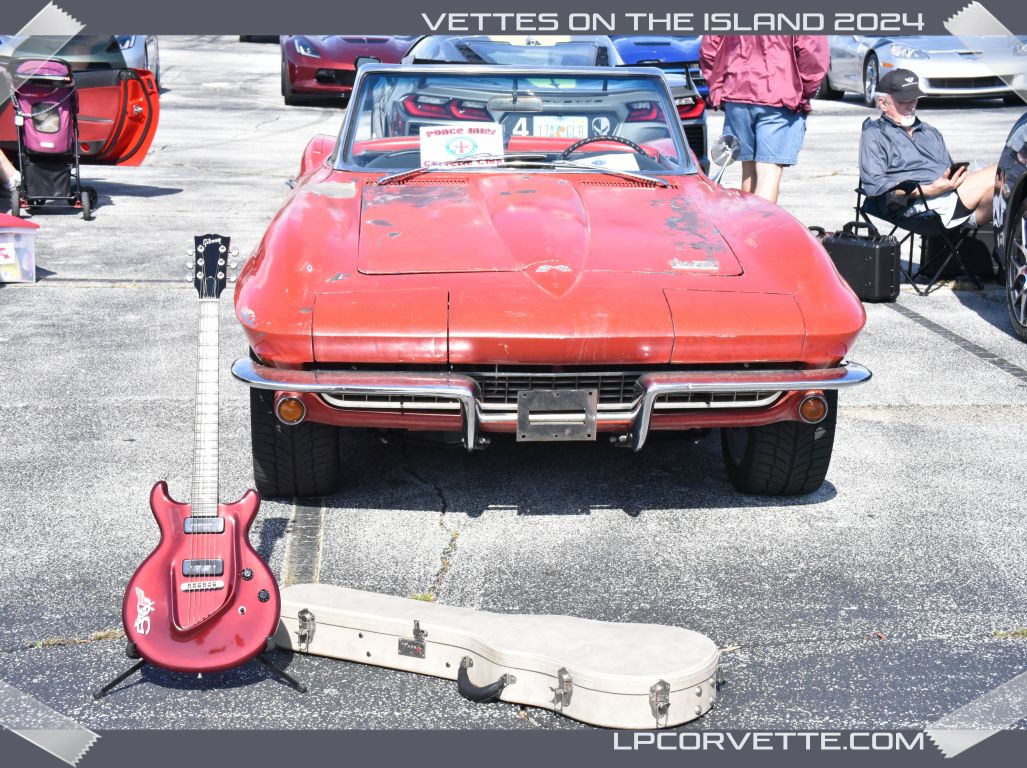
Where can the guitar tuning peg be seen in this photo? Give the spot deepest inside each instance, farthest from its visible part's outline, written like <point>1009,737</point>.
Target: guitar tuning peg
<point>234,265</point>
<point>232,278</point>
<point>189,252</point>
<point>221,262</point>
<point>234,252</point>
<point>189,265</point>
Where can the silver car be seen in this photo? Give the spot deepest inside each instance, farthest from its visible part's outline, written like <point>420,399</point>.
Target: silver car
<point>946,66</point>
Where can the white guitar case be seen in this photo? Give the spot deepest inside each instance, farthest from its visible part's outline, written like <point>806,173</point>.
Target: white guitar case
<point>603,673</point>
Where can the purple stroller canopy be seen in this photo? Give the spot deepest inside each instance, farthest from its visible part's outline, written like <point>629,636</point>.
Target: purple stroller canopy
<point>42,69</point>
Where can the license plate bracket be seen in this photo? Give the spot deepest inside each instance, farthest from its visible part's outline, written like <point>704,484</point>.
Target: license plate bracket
<point>556,415</point>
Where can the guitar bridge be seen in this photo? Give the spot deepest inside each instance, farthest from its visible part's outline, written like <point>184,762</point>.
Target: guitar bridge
<point>202,586</point>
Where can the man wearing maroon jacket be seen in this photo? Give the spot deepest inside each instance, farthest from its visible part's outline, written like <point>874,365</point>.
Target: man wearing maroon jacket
<point>764,84</point>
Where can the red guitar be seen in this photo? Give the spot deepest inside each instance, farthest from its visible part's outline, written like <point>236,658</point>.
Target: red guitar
<point>204,600</point>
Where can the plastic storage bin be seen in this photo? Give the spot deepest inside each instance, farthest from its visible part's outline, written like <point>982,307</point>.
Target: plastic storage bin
<point>17,250</point>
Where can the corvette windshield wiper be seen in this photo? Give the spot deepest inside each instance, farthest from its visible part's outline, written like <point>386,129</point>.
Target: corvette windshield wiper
<point>642,179</point>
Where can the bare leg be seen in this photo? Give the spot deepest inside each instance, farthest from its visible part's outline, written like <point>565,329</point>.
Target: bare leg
<point>748,176</point>
<point>768,180</point>
<point>6,168</point>
<point>977,193</point>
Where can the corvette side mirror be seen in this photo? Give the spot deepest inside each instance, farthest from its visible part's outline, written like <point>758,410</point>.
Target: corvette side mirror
<point>724,152</point>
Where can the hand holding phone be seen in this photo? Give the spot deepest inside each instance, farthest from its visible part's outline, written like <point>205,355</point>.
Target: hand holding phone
<point>955,167</point>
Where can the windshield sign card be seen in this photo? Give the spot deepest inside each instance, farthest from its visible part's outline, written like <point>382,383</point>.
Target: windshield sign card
<point>466,144</point>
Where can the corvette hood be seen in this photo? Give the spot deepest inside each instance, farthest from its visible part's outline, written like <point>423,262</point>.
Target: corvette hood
<point>511,222</point>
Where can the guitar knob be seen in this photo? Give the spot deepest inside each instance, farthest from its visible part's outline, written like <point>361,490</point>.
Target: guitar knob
<point>263,595</point>
<point>247,573</point>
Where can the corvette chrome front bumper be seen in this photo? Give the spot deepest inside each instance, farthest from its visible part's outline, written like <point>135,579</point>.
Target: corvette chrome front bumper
<point>460,390</point>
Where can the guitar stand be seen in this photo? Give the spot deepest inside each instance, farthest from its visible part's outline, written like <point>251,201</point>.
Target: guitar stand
<point>132,653</point>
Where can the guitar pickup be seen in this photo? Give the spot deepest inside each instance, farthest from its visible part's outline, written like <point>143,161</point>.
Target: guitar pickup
<point>205,525</point>
<point>203,567</point>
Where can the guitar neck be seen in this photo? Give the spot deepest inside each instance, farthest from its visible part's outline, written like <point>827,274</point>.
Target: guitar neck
<point>205,429</point>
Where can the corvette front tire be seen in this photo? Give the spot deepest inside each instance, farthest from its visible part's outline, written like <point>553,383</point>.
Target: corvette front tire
<point>789,458</point>
<point>297,461</point>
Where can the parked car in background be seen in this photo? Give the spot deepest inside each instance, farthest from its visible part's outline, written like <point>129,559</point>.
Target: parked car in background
<point>552,268</point>
<point>677,54</point>
<point>1010,216</point>
<point>560,51</point>
<point>322,67</point>
<point>947,68</point>
<point>259,38</point>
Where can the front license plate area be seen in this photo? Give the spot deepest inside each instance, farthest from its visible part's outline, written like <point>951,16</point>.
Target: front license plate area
<point>562,414</point>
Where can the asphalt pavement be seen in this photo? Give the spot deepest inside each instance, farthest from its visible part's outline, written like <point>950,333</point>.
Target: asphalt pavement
<point>879,601</point>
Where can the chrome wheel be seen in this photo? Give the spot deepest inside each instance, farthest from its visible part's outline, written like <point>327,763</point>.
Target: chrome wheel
<point>871,72</point>
<point>1016,272</point>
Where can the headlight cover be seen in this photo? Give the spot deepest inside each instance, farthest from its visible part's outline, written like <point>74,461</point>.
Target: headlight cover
<point>902,51</point>
<point>305,48</point>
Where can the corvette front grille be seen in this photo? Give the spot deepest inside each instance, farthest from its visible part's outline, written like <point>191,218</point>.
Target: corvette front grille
<point>498,393</point>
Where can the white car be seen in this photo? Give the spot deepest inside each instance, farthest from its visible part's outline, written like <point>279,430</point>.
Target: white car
<point>141,52</point>
<point>946,65</point>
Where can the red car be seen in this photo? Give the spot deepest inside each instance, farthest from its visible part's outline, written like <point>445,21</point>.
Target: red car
<point>536,254</point>
<point>324,66</point>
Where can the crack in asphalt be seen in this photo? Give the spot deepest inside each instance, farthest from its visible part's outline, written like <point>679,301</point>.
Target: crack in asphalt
<point>100,636</point>
<point>446,556</point>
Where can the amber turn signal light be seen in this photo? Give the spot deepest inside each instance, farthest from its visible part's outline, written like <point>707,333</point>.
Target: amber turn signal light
<point>813,409</point>
<point>290,410</point>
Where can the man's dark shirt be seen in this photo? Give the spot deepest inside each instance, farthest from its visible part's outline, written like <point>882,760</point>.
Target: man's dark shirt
<point>889,156</point>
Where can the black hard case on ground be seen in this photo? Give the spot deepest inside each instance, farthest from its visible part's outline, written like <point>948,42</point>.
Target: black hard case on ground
<point>868,262</point>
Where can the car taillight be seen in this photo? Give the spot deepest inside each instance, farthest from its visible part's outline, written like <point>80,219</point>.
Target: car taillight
<point>644,112</point>
<point>450,109</point>
<point>426,106</point>
<point>690,107</point>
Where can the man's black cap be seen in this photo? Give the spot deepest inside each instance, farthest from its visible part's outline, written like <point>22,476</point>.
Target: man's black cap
<point>902,84</point>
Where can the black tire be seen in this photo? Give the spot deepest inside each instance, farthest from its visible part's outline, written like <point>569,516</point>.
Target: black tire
<point>871,76</point>
<point>1016,273</point>
<point>1013,100</point>
<point>789,458</point>
<point>16,202</point>
<point>302,460</point>
<point>87,205</point>
<point>287,95</point>
<point>825,91</point>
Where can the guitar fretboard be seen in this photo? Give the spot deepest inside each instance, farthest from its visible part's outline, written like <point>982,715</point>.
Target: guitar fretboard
<point>205,429</point>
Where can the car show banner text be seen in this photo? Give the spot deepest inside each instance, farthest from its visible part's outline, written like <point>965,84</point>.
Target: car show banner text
<point>676,22</point>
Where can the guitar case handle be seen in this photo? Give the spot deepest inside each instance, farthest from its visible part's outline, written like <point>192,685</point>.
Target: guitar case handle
<point>483,693</point>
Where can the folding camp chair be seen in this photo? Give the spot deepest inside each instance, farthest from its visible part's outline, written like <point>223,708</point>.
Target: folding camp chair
<point>927,223</point>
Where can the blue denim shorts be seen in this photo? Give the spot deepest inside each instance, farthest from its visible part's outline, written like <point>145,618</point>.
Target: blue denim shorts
<point>766,134</point>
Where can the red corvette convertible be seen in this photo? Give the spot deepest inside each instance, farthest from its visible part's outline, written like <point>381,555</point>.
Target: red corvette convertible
<point>535,252</point>
<point>324,66</point>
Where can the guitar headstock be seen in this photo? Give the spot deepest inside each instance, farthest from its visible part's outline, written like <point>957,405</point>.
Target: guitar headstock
<point>209,264</point>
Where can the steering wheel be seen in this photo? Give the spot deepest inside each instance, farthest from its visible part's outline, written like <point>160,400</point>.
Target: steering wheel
<point>589,140</point>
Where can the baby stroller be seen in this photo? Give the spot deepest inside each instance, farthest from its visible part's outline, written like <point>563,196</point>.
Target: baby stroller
<point>46,116</point>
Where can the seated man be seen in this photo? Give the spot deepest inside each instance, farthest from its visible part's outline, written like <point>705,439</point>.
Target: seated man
<point>898,147</point>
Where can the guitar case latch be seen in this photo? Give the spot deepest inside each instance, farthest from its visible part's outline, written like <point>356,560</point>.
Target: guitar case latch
<point>307,626</point>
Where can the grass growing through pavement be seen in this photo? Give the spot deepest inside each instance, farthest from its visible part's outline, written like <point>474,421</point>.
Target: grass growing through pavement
<point>1013,634</point>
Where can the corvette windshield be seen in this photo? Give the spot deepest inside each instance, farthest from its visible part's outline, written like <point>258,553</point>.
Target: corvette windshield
<point>556,120</point>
